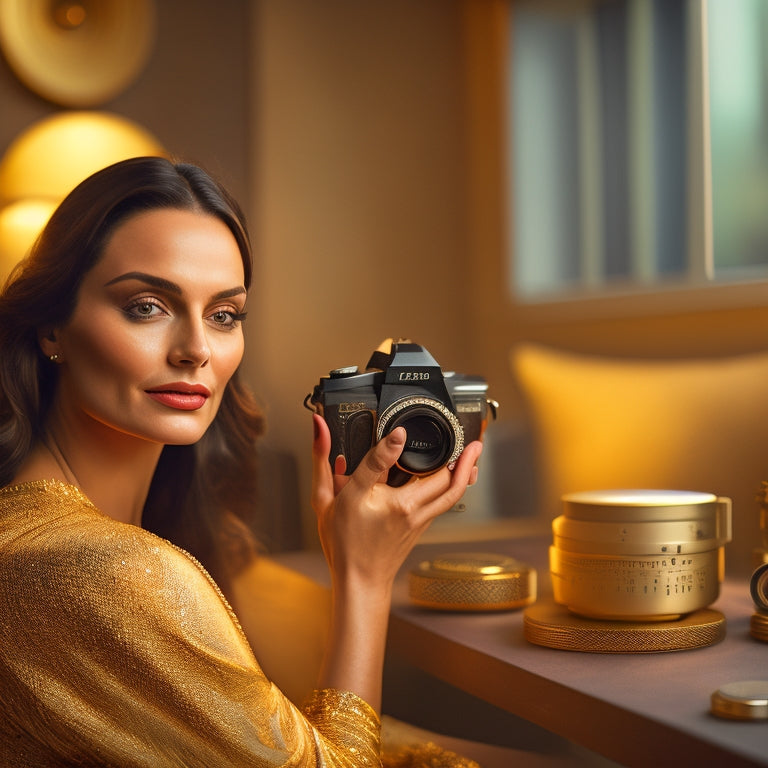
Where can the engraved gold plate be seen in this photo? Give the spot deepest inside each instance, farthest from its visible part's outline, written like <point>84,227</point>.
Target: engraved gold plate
<point>472,581</point>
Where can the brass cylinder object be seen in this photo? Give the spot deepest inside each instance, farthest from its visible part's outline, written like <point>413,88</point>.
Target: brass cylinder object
<point>472,581</point>
<point>744,700</point>
<point>639,555</point>
<point>760,554</point>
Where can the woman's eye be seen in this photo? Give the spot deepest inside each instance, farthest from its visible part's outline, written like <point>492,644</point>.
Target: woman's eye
<point>142,310</point>
<point>226,318</point>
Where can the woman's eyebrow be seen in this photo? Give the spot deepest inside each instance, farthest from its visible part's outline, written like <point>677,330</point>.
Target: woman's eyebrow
<point>144,277</point>
<point>168,285</point>
<point>237,291</point>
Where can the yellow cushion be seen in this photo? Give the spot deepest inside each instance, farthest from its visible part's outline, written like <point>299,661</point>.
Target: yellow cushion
<point>678,424</point>
<point>285,616</point>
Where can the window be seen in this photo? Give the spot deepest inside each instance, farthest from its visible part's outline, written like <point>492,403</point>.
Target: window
<point>639,146</point>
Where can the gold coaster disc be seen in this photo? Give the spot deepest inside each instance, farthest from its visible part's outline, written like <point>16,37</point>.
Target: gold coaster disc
<point>553,626</point>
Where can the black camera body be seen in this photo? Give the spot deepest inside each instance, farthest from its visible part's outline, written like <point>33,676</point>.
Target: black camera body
<point>402,386</point>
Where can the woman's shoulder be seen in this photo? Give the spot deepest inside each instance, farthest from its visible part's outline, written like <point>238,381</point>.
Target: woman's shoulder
<point>49,514</point>
<point>55,525</point>
<point>65,552</point>
<point>38,503</point>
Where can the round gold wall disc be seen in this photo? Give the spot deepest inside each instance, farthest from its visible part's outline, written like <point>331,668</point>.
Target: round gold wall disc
<point>553,626</point>
<point>77,53</point>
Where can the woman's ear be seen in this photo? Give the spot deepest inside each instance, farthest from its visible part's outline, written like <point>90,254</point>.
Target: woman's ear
<point>49,344</point>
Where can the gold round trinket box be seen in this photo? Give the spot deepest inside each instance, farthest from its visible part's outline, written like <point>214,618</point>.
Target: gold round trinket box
<point>472,581</point>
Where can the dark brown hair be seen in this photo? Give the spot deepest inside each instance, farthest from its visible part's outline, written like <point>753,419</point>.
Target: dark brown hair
<point>199,492</point>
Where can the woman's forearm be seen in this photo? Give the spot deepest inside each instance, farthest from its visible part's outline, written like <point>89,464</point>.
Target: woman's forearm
<point>367,529</point>
<point>355,652</point>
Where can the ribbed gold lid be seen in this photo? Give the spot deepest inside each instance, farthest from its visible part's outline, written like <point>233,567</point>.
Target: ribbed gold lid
<point>758,626</point>
<point>472,581</point>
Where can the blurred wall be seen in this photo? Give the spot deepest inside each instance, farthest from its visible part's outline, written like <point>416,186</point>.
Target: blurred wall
<point>366,141</point>
<point>359,173</point>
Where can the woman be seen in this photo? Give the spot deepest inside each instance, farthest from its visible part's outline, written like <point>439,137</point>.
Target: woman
<point>122,417</point>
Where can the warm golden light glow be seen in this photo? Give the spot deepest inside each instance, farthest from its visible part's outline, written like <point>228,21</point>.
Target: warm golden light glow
<point>58,152</point>
<point>48,160</point>
<point>20,224</point>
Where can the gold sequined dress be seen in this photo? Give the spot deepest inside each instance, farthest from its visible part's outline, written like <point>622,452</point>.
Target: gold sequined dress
<point>117,649</point>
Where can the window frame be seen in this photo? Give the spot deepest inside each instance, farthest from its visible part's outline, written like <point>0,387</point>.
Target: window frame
<point>695,290</point>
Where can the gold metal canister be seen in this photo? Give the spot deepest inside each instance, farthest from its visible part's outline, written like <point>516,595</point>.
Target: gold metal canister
<point>639,555</point>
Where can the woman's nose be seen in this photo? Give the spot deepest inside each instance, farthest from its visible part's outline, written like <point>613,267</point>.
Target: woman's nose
<point>190,347</point>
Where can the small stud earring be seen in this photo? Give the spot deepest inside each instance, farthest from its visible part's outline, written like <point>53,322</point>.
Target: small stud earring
<point>53,358</point>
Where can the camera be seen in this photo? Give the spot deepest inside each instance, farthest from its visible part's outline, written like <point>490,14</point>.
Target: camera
<point>402,386</point>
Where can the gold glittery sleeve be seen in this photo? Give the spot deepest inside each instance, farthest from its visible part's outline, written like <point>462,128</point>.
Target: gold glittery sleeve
<point>345,719</point>
<point>116,649</point>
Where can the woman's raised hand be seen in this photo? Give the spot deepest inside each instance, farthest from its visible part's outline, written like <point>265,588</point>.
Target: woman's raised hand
<point>367,528</point>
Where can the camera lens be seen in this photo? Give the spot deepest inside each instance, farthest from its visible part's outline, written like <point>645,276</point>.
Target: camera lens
<point>434,436</point>
<point>428,444</point>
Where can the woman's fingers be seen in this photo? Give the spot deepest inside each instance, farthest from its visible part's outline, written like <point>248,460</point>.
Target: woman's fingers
<point>426,497</point>
<point>322,478</point>
<point>380,459</point>
<point>437,493</point>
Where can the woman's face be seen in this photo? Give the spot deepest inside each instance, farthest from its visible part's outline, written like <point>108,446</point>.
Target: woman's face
<point>157,329</point>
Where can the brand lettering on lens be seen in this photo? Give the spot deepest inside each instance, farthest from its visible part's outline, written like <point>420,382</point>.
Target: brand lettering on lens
<point>413,376</point>
<point>420,445</point>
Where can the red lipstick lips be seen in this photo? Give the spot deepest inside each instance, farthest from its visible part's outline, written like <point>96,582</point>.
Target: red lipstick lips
<point>182,397</point>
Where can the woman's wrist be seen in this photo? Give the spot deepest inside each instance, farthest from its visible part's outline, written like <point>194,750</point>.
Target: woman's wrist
<point>359,620</point>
